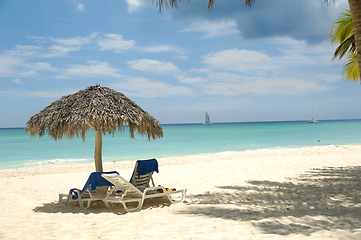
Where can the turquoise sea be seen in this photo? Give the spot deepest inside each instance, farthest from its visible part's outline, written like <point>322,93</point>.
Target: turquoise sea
<point>18,149</point>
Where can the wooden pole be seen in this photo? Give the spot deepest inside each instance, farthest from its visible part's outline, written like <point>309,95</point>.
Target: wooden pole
<point>98,151</point>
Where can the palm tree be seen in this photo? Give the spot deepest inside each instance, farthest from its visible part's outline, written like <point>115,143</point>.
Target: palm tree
<point>355,8</point>
<point>342,33</point>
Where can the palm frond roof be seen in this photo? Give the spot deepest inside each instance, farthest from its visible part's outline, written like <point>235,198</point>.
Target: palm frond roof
<point>96,107</point>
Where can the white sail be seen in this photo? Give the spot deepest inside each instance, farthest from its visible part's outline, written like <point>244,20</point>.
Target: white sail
<point>207,120</point>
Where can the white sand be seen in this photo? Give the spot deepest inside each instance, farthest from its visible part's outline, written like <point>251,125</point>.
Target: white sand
<point>251,195</point>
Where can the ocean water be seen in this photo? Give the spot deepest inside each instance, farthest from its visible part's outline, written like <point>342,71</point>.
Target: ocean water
<point>18,149</point>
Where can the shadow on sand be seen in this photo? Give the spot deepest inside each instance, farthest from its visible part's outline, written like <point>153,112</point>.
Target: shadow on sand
<point>320,199</point>
<point>95,208</point>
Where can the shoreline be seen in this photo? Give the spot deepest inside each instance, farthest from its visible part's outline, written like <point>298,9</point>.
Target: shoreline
<point>72,162</point>
<point>171,161</point>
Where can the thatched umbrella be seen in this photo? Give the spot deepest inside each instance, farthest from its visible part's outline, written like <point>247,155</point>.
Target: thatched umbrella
<point>101,108</point>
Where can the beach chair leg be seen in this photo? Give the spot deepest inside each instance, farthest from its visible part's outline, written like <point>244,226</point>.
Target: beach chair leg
<point>68,199</point>
<point>89,202</point>
<point>62,197</point>
<point>183,196</point>
<point>81,204</point>
<point>136,209</point>
<point>107,204</point>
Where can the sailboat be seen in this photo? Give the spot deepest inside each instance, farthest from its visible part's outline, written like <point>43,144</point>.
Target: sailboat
<point>313,120</point>
<point>207,120</point>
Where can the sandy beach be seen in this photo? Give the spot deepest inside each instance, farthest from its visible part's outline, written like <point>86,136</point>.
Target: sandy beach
<point>308,193</point>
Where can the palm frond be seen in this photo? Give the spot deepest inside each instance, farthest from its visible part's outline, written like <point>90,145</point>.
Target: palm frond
<point>248,3</point>
<point>166,3</point>
<point>342,28</point>
<point>346,47</point>
<point>96,107</point>
<point>351,70</point>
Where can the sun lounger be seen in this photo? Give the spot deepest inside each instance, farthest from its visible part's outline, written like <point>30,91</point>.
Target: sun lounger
<point>95,189</point>
<point>143,175</point>
<point>131,195</point>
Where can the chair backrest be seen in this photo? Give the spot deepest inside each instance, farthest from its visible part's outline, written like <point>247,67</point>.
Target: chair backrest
<point>95,181</point>
<point>143,172</point>
<point>95,185</point>
<point>122,184</point>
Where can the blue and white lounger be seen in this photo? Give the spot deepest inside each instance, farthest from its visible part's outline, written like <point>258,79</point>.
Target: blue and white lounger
<point>95,189</point>
<point>138,190</point>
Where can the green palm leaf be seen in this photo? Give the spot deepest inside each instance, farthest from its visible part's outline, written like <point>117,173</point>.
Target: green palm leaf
<point>346,47</point>
<point>342,28</point>
<point>350,69</point>
<point>342,33</point>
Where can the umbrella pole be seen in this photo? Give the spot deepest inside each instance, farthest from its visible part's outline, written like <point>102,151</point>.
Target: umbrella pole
<point>98,151</point>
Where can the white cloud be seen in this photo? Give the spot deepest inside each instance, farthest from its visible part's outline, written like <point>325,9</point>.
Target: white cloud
<point>239,60</point>
<point>13,65</point>
<point>263,86</point>
<point>57,51</point>
<point>38,66</point>
<point>153,66</point>
<point>46,94</point>
<point>308,20</point>
<point>143,87</point>
<point>17,80</point>
<point>299,52</point>
<point>72,41</point>
<point>183,57</point>
<point>64,46</point>
<point>8,65</point>
<point>328,78</point>
<point>213,29</point>
<point>21,93</point>
<point>135,5</point>
<point>156,48</point>
<point>93,69</point>
<point>236,72</point>
<point>38,39</point>
<point>79,5</point>
<point>67,45</point>
<point>197,81</point>
<point>291,55</point>
<point>115,42</point>
<point>341,3</point>
<point>24,51</point>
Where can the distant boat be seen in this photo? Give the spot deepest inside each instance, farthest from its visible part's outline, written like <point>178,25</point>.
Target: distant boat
<point>207,120</point>
<point>313,120</point>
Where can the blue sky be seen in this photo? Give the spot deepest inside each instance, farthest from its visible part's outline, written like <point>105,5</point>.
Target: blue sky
<point>268,63</point>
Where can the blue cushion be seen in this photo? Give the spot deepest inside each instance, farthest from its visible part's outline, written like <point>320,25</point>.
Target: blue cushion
<point>95,180</point>
<point>147,166</point>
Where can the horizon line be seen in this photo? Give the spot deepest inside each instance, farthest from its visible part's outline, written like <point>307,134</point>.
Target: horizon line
<point>200,123</point>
